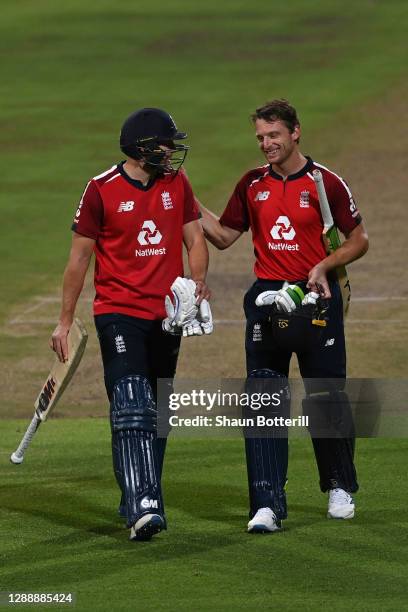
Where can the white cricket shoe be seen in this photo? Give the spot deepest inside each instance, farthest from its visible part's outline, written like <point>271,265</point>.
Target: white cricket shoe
<point>146,527</point>
<point>341,504</point>
<point>264,521</point>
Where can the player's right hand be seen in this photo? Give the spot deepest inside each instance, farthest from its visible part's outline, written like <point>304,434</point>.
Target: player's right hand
<point>59,341</point>
<point>317,281</point>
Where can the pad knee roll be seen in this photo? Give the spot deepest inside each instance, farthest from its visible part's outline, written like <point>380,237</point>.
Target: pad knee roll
<point>133,405</point>
<point>269,397</point>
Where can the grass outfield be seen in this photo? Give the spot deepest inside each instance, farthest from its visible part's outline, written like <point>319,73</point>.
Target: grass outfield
<point>75,70</point>
<point>72,72</point>
<point>60,531</point>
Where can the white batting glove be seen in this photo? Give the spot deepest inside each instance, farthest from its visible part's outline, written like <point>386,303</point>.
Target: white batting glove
<point>203,324</point>
<point>184,310</point>
<point>205,317</point>
<point>266,298</point>
<point>289,298</point>
<point>310,298</point>
<point>192,329</point>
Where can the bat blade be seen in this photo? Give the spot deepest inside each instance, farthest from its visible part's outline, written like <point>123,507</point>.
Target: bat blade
<point>61,373</point>
<point>331,238</point>
<point>57,381</point>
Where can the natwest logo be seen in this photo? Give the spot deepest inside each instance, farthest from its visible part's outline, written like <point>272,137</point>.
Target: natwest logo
<point>149,234</point>
<point>284,232</point>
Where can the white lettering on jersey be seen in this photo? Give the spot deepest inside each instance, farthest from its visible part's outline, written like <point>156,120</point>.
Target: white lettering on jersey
<point>283,231</point>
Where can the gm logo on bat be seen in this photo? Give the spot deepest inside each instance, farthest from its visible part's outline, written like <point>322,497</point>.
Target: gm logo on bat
<point>47,394</point>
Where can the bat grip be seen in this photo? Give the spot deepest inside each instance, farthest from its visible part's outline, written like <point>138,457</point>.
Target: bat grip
<point>18,455</point>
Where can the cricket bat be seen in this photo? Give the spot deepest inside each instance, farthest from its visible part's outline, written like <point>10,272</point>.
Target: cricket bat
<point>331,239</point>
<point>55,385</point>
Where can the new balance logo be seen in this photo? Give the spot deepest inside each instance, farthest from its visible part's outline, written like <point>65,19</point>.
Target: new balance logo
<point>147,503</point>
<point>149,234</point>
<point>126,206</point>
<point>329,342</point>
<point>120,344</point>
<point>261,196</point>
<point>166,199</point>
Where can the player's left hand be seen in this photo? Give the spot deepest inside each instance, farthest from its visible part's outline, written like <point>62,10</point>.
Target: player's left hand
<point>318,282</point>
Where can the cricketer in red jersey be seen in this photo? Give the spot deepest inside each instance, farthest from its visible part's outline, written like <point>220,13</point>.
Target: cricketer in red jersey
<point>138,235</point>
<point>279,203</point>
<point>135,218</point>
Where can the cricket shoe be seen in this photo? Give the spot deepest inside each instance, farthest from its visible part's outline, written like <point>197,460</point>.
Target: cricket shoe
<point>264,521</point>
<point>341,504</point>
<point>146,527</point>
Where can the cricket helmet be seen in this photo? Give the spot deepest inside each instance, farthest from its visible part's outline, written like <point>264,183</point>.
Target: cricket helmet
<point>145,131</point>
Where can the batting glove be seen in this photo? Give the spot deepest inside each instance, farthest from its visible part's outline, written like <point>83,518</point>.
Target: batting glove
<point>184,309</point>
<point>310,298</point>
<point>266,298</point>
<point>289,298</point>
<point>203,324</point>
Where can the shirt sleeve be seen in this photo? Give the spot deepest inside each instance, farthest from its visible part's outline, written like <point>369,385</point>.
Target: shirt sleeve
<point>346,215</point>
<point>89,216</point>
<point>235,214</point>
<point>191,210</point>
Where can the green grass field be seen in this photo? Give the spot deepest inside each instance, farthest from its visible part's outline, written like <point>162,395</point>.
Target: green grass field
<point>60,531</point>
<point>71,73</point>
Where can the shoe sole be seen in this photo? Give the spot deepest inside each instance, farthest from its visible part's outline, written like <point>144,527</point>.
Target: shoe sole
<point>262,529</point>
<point>350,515</point>
<point>148,530</point>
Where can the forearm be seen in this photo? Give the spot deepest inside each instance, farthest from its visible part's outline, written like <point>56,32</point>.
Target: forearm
<point>73,282</point>
<point>198,260</point>
<point>213,230</point>
<point>354,247</point>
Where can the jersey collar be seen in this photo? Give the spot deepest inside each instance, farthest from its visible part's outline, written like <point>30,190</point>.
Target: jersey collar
<point>134,182</point>
<point>306,168</point>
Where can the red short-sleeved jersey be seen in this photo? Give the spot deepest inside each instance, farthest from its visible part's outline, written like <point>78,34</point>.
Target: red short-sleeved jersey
<point>139,239</point>
<point>285,219</point>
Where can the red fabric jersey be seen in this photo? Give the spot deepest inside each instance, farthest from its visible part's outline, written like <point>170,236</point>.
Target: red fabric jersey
<point>139,239</point>
<point>285,219</point>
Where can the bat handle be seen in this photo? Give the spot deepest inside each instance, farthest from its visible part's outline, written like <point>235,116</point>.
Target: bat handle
<point>18,455</point>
